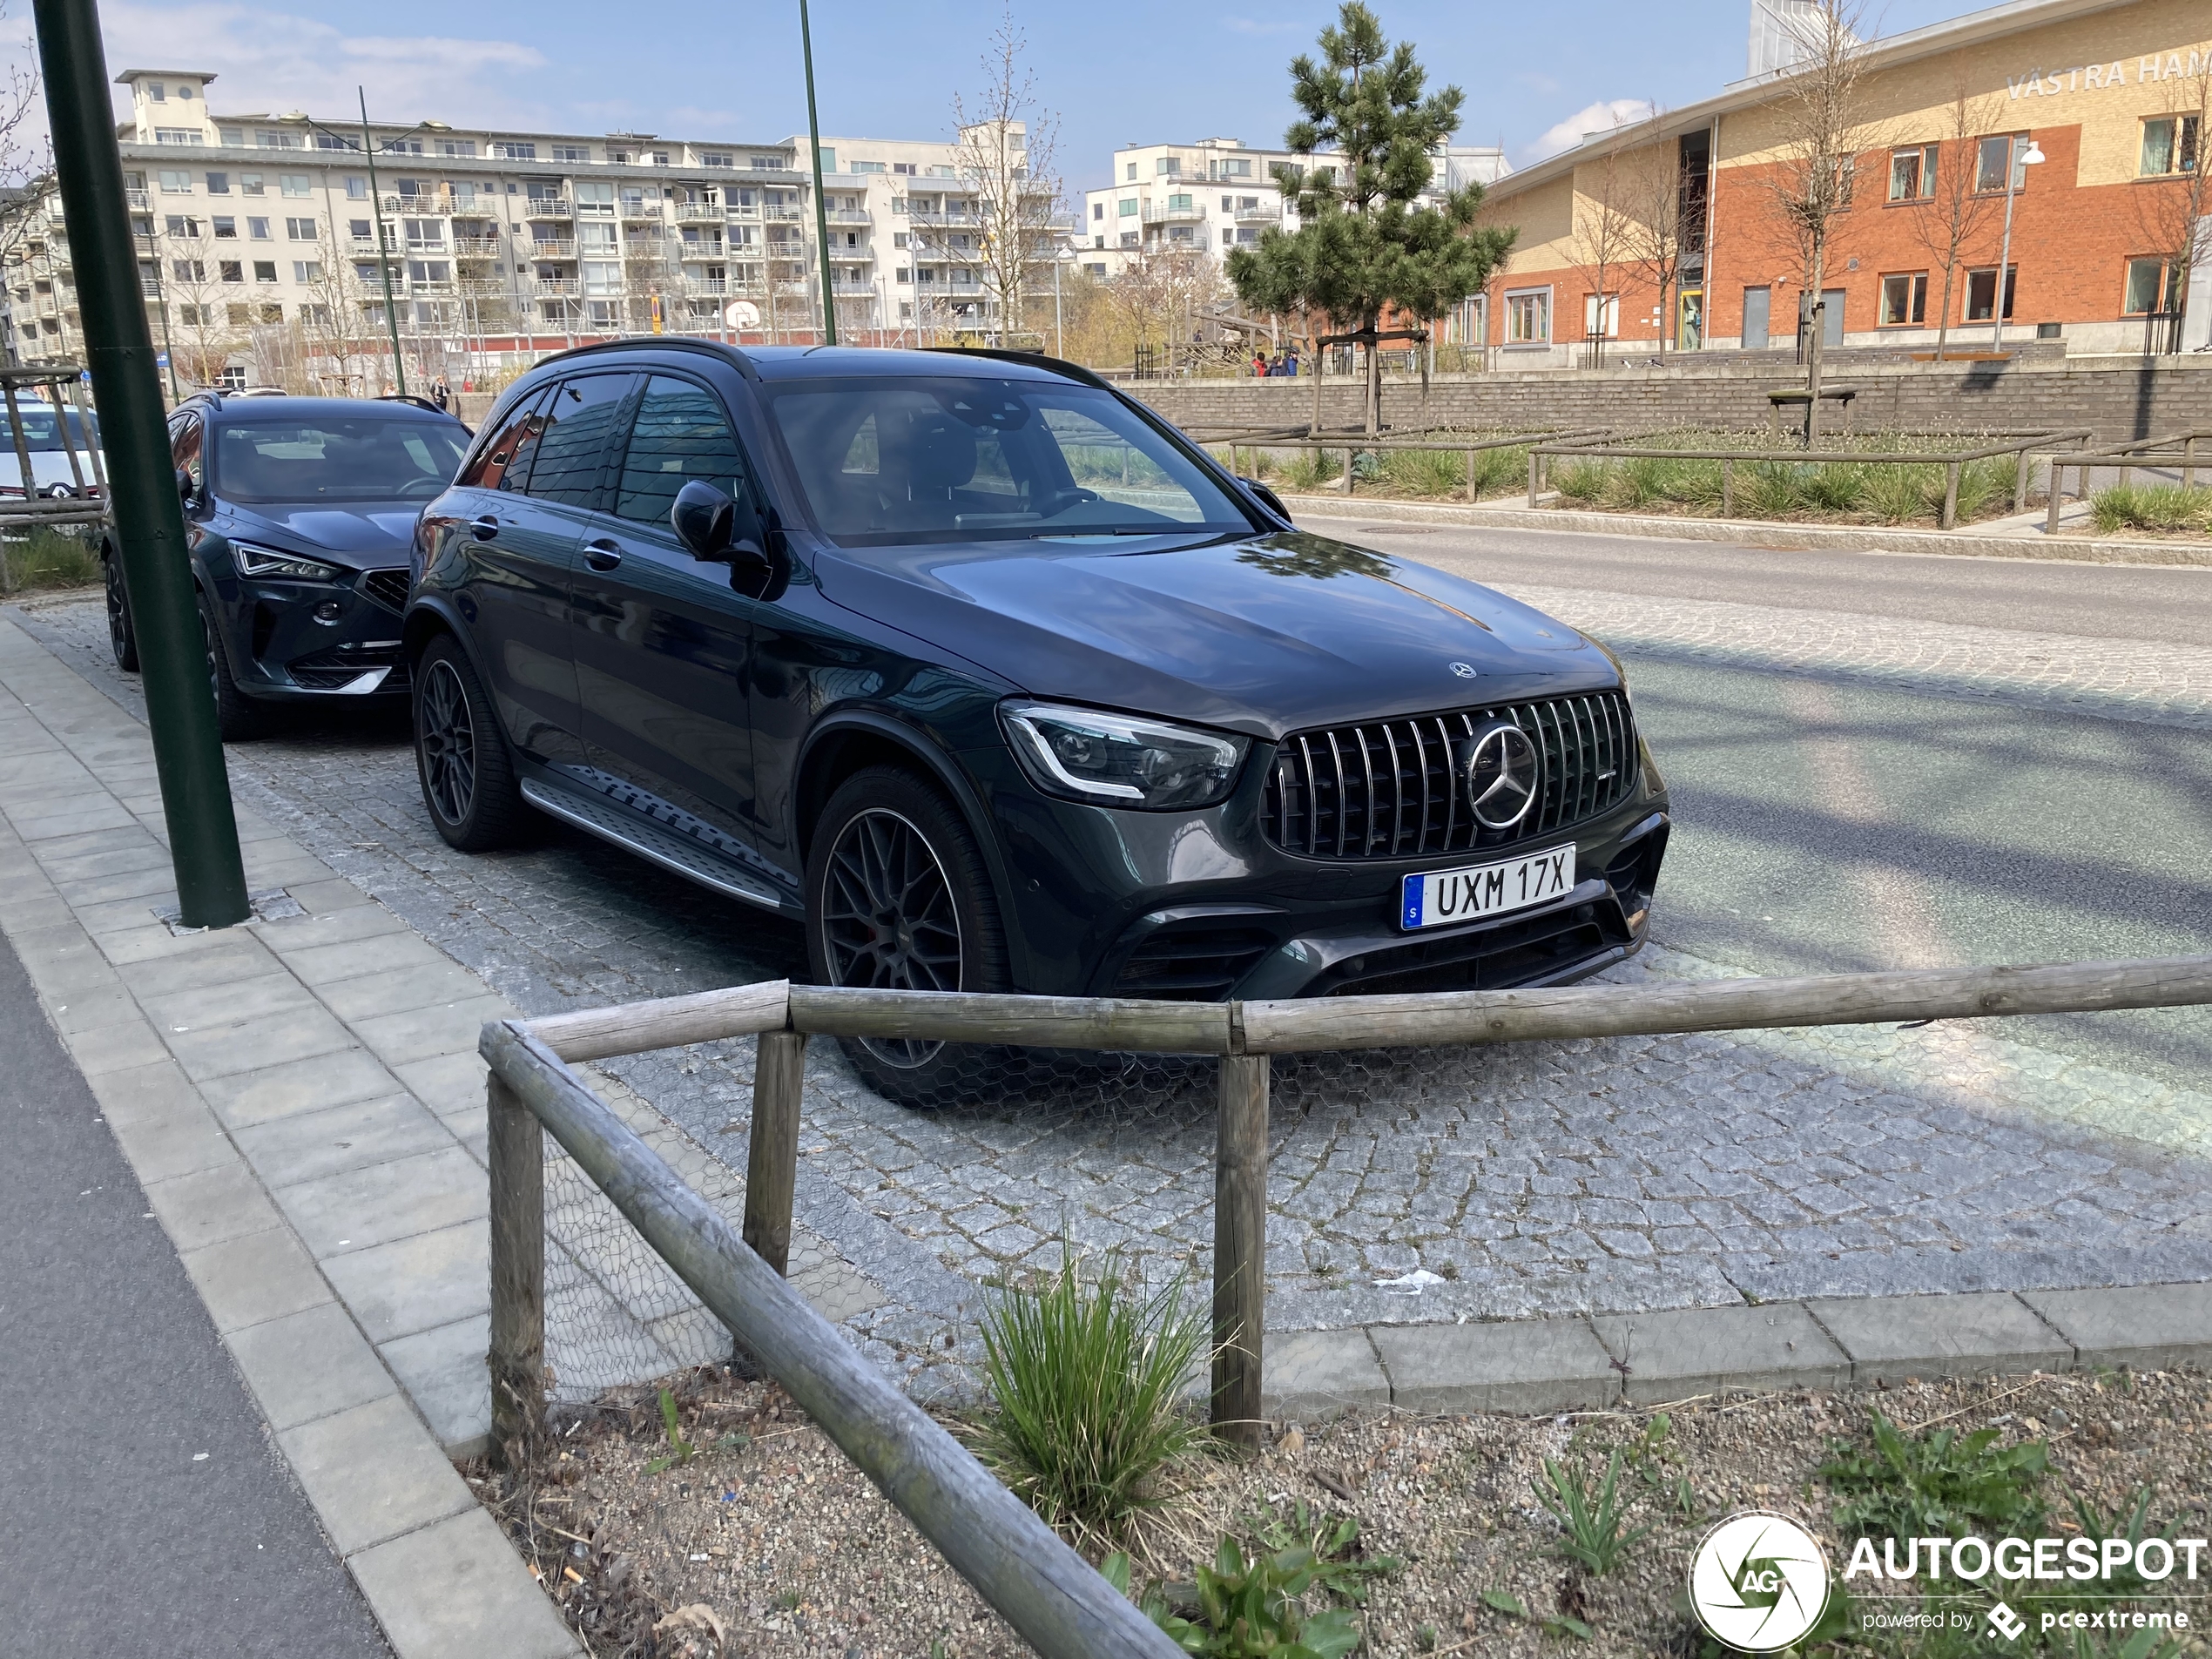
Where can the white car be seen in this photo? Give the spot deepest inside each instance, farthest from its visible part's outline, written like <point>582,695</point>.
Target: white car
<point>51,472</point>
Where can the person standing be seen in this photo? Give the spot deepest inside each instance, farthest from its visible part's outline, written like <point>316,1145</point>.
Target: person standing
<point>441,394</point>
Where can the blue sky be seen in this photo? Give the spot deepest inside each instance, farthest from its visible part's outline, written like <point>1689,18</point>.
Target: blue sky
<point>1532,74</point>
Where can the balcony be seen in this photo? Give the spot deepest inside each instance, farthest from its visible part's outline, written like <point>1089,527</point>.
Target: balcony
<point>636,210</point>
<point>476,248</point>
<point>1268,213</point>
<point>364,244</point>
<point>555,287</point>
<point>947,216</point>
<point>422,289</point>
<point>700,212</point>
<point>851,216</point>
<point>1161,214</point>
<point>138,199</point>
<point>553,247</point>
<point>648,250</point>
<point>548,207</point>
<point>781,212</point>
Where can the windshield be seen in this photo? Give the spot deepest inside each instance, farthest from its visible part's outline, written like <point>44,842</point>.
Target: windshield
<point>351,458</point>
<point>42,431</point>
<point>887,463</point>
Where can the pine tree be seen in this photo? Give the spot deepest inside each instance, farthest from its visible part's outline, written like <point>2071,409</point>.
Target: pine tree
<point>1362,246</point>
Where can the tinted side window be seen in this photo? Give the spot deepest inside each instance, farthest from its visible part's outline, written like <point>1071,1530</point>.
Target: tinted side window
<point>578,423</point>
<point>184,451</point>
<point>502,460</point>
<point>681,432</point>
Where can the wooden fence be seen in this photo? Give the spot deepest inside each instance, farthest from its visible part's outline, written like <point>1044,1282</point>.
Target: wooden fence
<point>2160,454</point>
<point>1041,1588</point>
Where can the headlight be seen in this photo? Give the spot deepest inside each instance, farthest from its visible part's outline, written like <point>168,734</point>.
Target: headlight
<point>266,561</point>
<point>1121,760</point>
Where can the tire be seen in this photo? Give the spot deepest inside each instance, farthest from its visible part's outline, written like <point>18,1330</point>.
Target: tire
<point>461,757</point>
<point>897,897</point>
<point>122,636</point>
<point>238,716</point>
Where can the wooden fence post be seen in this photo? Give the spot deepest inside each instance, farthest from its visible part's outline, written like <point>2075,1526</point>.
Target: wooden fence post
<point>771,1151</point>
<point>2057,492</point>
<point>1240,1248</point>
<point>2020,483</point>
<point>1536,464</point>
<point>516,1358</point>
<point>1949,496</point>
<point>1350,456</point>
<point>1471,497</point>
<point>1728,490</point>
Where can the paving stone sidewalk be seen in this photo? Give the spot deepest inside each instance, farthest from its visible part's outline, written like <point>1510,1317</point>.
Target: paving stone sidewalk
<point>1622,1176</point>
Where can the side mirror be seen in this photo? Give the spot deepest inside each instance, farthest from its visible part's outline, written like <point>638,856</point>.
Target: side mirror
<point>184,486</point>
<point>1266,498</point>
<point>704,520</point>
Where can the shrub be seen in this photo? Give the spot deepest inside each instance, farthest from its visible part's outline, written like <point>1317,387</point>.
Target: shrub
<point>1087,1373</point>
<point>1500,471</point>
<point>1579,481</point>
<point>1833,487</point>
<point>52,558</point>
<point>1895,494</point>
<point>1426,472</point>
<point>1768,489</point>
<point>1309,469</point>
<point>2151,506</point>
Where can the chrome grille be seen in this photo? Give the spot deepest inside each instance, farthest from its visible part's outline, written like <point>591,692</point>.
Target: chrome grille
<point>1390,789</point>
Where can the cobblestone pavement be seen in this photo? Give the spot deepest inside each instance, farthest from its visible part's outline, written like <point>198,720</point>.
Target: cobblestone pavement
<point>1626,1174</point>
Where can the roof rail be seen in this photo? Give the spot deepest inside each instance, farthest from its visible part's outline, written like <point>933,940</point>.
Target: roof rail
<point>1035,359</point>
<point>409,397</point>
<point>659,342</point>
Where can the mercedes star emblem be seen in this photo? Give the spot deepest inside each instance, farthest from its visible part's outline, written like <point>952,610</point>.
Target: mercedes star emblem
<point>1465,671</point>
<point>1505,773</point>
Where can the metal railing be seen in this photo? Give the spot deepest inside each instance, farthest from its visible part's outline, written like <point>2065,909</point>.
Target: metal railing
<point>1014,1562</point>
<point>2146,453</point>
<point>86,503</point>
<point>1240,439</point>
<point>2024,445</point>
<point>547,208</point>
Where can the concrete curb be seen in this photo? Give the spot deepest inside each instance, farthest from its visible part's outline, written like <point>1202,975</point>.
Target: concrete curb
<point>1760,533</point>
<point>330,1212</point>
<point>1598,1363</point>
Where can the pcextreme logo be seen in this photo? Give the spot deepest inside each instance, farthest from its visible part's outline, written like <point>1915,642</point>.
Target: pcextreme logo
<point>1758,1581</point>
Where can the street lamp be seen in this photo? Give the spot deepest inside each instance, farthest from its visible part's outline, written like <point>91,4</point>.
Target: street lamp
<point>376,216</point>
<point>1060,256</point>
<point>2019,161</point>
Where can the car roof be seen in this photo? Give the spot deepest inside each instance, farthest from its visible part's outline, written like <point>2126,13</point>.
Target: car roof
<point>782,363</point>
<point>261,408</point>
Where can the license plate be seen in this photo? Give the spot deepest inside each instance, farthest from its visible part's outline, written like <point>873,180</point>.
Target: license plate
<point>1441,897</point>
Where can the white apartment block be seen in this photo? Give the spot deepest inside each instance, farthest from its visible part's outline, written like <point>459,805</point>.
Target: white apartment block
<point>259,242</point>
<point>1216,194</point>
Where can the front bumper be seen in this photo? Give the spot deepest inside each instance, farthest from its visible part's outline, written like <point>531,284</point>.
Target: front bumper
<point>308,640</point>
<point>1200,906</point>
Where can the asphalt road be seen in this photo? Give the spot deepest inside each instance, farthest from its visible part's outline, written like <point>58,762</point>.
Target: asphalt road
<point>143,1509</point>
<point>1826,823</point>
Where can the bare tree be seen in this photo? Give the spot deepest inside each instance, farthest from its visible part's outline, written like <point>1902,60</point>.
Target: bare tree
<point>191,265</point>
<point>1666,221</point>
<point>1953,216</point>
<point>1004,153</point>
<point>1819,109</point>
<point>1161,293</point>
<point>1604,235</point>
<point>2173,205</point>
<point>26,154</point>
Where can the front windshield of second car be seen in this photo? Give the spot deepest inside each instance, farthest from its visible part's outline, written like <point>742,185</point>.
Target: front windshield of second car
<point>368,457</point>
<point>892,461</point>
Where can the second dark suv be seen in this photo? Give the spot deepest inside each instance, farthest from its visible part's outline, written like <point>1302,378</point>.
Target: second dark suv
<point>300,513</point>
<point>993,681</point>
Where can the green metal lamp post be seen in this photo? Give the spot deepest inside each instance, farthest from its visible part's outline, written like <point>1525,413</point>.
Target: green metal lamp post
<point>384,252</point>
<point>821,208</point>
<point>149,519</point>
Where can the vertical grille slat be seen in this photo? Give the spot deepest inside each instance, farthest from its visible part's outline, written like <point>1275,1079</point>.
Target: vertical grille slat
<point>1324,802</point>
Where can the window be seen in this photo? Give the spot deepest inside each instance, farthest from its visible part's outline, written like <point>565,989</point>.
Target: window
<point>258,229</point>
<point>717,158</point>
<point>157,93</point>
<point>249,184</point>
<point>1127,209</point>
<point>1528,319</point>
<point>772,164</point>
<point>1982,292</point>
<point>265,271</point>
<point>402,146</point>
<point>272,312</point>
<point>320,315</point>
<point>330,141</point>
<point>226,228</point>
<point>1166,167</point>
<point>464,147</point>
<point>360,229</point>
<point>2154,286</point>
<point>175,184</point>
<point>1905,298</point>
<point>2171,144</point>
<point>375,456</point>
<point>1991,157</point>
<point>579,422</point>
<point>295,184</point>
<point>681,434</point>
<point>269,140</point>
<point>1600,322</point>
<point>300,229</point>
<point>219,184</point>
<point>1098,210</point>
<point>190,315</point>
<point>181,225</point>
<point>902,166</point>
<point>231,271</point>
<point>572,152</point>
<point>187,270</point>
<point>356,188</point>
<point>304,271</point>
<point>903,274</point>
<point>178,135</point>
<point>514,152</point>
<point>1179,203</point>
<point>868,166</point>
<point>234,137</point>
<point>237,316</point>
<point>1913,173</point>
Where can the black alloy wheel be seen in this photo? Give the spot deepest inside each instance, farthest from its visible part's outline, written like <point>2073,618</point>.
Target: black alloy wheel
<point>898,899</point>
<point>121,638</point>
<point>238,716</point>
<point>460,758</point>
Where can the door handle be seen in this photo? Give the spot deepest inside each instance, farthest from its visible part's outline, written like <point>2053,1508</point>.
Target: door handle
<point>485,528</point>
<point>601,555</point>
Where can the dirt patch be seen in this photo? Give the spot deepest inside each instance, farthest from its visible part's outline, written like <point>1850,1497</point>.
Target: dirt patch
<point>769,1536</point>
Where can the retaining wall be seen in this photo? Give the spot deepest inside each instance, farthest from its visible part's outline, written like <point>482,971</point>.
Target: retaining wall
<point>2120,402</point>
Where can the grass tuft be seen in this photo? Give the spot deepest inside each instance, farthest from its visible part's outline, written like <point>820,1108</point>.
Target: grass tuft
<point>1943,1484</point>
<point>47,558</point>
<point>2166,508</point>
<point>1591,1516</point>
<point>1087,1372</point>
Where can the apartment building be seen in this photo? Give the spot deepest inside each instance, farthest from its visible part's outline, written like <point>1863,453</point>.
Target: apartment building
<point>1216,194</point>
<point>259,238</point>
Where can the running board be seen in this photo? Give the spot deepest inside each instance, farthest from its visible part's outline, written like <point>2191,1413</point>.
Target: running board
<point>634,834</point>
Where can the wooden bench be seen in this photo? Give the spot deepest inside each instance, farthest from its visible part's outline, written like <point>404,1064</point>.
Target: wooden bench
<point>1798,397</point>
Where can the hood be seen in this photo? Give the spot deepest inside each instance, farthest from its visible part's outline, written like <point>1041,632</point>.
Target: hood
<point>364,534</point>
<point>1265,635</point>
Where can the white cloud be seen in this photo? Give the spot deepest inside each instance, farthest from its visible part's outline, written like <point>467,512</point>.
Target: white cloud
<point>1601,117</point>
<point>1262,26</point>
<point>269,61</point>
